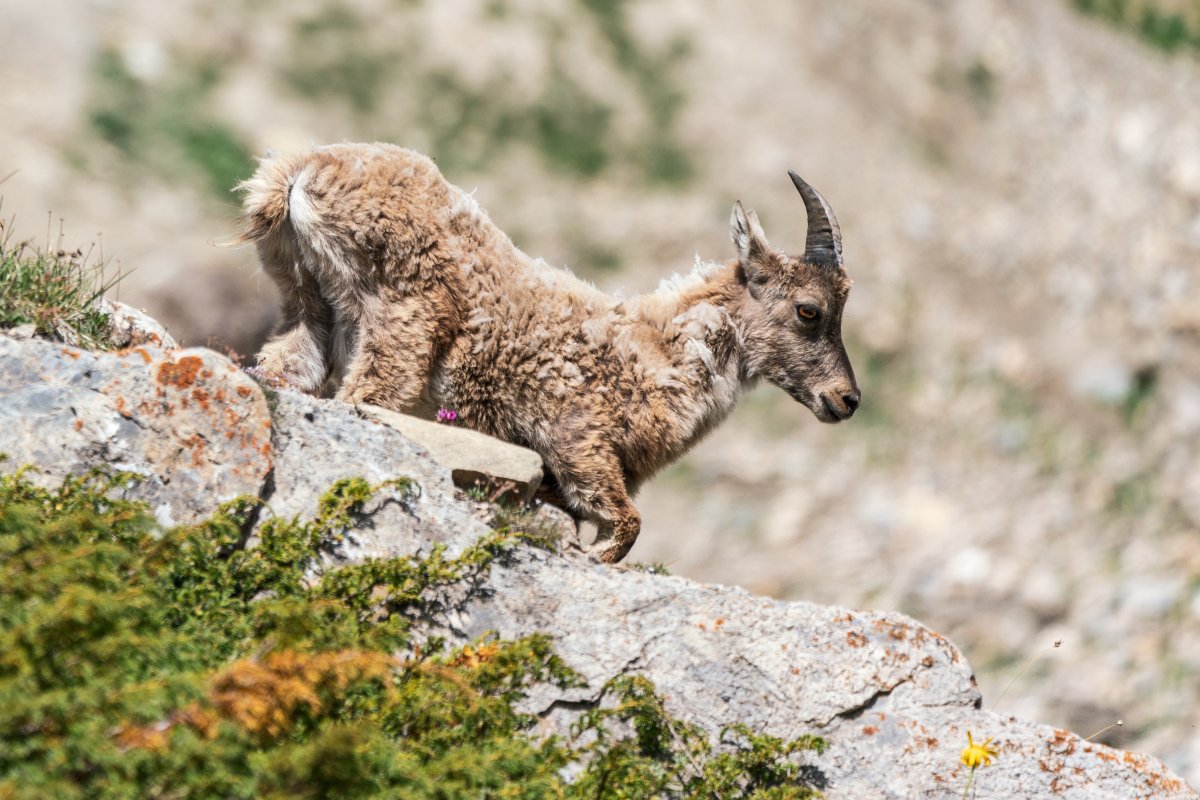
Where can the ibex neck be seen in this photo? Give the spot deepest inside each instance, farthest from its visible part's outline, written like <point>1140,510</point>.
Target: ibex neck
<point>695,320</point>
<point>707,306</point>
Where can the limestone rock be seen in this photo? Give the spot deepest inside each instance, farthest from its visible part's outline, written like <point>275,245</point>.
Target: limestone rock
<point>473,458</point>
<point>196,429</point>
<point>894,699</point>
<point>129,327</point>
<point>320,441</point>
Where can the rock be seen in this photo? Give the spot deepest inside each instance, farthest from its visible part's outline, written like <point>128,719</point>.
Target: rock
<point>474,459</point>
<point>130,327</point>
<point>893,699</point>
<point>188,421</point>
<point>320,441</point>
<point>1102,378</point>
<point>22,332</point>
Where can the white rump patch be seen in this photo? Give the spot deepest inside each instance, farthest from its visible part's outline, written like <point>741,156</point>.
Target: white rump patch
<point>300,209</point>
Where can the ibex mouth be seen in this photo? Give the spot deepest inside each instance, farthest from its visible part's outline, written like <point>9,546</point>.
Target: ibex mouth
<point>835,414</point>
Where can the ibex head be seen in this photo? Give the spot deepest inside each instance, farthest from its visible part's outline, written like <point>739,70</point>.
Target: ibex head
<point>792,321</point>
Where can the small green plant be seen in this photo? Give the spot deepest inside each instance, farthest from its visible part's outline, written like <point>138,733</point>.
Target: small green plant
<point>1137,400</point>
<point>53,289</point>
<point>511,515</point>
<point>669,758</point>
<point>650,567</point>
<point>138,662</point>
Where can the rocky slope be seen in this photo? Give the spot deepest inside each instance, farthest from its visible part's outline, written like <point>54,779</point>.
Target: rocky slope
<point>893,698</point>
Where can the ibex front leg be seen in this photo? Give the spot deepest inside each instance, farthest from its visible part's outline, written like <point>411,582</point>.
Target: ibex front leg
<point>592,482</point>
<point>619,525</point>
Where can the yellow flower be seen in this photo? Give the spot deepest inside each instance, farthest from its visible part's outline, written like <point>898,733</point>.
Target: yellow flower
<point>976,755</point>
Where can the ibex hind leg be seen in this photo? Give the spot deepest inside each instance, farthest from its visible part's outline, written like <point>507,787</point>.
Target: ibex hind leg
<point>298,354</point>
<point>393,355</point>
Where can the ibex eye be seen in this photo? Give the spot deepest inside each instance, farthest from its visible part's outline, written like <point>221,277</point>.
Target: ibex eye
<point>807,312</point>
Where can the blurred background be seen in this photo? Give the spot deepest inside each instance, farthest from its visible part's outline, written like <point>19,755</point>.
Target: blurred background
<point>1018,184</point>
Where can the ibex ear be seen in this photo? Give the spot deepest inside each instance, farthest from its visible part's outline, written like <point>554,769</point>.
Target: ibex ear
<point>751,243</point>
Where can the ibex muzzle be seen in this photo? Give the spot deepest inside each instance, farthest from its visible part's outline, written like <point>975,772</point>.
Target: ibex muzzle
<point>793,327</point>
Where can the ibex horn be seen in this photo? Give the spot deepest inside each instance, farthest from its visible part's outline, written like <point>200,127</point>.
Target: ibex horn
<point>824,242</point>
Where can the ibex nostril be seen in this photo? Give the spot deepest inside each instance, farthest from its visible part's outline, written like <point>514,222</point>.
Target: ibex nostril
<point>851,401</point>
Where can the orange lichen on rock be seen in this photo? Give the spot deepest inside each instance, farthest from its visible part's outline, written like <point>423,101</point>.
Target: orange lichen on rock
<point>196,444</point>
<point>1064,741</point>
<point>181,374</point>
<point>201,397</point>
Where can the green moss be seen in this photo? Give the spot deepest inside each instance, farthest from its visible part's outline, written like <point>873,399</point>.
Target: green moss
<point>137,662</point>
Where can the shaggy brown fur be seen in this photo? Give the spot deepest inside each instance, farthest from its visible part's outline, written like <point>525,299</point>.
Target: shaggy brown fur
<point>397,288</point>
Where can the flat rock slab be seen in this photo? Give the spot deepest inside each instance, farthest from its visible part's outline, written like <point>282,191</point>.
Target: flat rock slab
<point>474,459</point>
<point>195,428</point>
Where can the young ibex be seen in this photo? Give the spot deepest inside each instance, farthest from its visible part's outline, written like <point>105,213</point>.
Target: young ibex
<point>398,286</point>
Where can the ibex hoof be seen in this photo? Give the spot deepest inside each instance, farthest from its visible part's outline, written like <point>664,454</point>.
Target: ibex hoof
<point>610,552</point>
<point>273,380</point>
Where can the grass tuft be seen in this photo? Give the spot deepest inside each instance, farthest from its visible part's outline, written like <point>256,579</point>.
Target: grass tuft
<point>53,289</point>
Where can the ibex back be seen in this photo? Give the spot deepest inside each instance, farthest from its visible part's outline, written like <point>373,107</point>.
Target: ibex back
<point>398,290</point>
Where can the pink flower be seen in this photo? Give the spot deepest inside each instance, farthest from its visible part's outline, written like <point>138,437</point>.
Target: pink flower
<point>447,416</point>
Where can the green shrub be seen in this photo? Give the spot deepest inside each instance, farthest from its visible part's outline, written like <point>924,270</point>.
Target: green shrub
<point>141,663</point>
